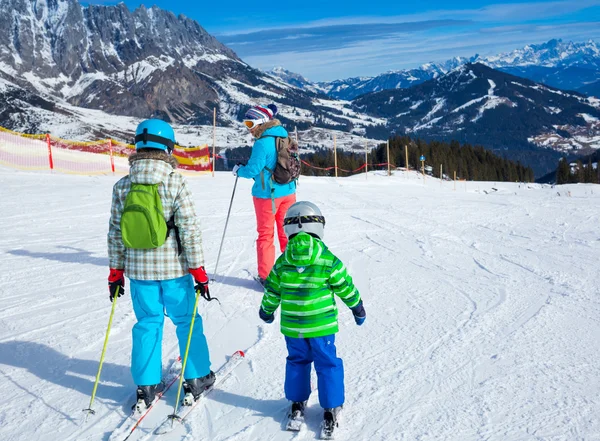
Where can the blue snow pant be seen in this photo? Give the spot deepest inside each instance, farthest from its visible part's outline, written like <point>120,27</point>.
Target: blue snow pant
<point>151,298</point>
<point>302,352</point>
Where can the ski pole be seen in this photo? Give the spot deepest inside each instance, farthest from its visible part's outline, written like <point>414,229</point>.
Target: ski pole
<point>225,229</point>
<point>185,357</point>
<point>89,410</point>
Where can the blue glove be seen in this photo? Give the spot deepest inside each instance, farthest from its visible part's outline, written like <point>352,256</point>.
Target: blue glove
<point>236,167</point>
<point>359,313</point>
<point>267,318</point>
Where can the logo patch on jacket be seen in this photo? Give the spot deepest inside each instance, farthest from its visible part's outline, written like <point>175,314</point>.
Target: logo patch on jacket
<point>300,269</point>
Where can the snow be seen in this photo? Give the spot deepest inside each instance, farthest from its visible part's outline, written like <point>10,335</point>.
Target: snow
<point>276,82</point>
<point>349,114</point>
<point>137,72</point>
<point>553,110</point>
<point>192,60</point>
<point>588,118</point>
<point>482,311</point>
<point>492,101</point>
<point>469,103</point>
<point>439,104</point>
<point>518,84</point>
<point>492,87</point>
<point>82,83</point>
<point>427,124</point>
<point>417,104</point>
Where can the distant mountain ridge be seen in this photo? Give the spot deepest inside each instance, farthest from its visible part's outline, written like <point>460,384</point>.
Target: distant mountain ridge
<point>564,65</point>
<point>480,105</point>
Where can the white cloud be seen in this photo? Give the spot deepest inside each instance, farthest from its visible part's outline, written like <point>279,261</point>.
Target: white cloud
<point>407,51</point>
<point>493,13</point>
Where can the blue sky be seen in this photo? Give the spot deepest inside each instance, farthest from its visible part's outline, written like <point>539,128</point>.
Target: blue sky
<point>328,40</point>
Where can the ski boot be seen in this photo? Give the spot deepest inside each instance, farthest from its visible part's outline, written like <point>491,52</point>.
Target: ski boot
<point>296,416</point>
<point>145,396</point>
<point>194,387</point>
<point>330,422</point>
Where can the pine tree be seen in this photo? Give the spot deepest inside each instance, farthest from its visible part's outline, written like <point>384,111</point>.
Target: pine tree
<point>563,172</point>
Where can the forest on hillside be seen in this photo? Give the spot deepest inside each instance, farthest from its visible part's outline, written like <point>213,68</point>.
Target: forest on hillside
<point>473,163</point>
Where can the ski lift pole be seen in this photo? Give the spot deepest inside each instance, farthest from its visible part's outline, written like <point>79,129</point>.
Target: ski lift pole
<point>89,410</point>
<point>225,229</point>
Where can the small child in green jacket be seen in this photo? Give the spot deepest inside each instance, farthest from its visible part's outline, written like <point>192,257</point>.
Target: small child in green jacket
<point>304,280</point>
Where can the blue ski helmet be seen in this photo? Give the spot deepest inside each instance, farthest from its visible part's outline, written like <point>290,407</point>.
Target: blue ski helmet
<point>155,134</point>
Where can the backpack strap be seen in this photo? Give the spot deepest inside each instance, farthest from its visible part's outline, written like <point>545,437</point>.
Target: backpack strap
<point>171,226</point>
<point>262,175</point>
<point>267,168</point>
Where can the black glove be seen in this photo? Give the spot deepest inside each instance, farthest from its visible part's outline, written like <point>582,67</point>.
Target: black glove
<point>359,313</point>
<point>116,283</point>
<point>267,318</point>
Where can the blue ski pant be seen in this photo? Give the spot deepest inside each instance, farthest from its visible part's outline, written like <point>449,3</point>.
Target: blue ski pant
<point>321,351</point>
<point>151,299</point>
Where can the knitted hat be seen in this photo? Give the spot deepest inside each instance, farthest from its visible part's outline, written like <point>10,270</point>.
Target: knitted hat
<point>261,114</point>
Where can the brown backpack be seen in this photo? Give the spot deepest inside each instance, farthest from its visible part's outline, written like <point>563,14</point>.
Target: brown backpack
<point>287,167</point>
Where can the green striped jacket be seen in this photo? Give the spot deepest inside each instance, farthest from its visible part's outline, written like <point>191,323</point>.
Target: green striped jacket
<point>304,280</point>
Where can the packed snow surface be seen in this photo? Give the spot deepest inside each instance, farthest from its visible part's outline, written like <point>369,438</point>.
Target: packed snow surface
<point>482,312</point>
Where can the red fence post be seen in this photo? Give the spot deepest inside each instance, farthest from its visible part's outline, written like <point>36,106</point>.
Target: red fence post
<point>50,161</point>
<point>112,159</point>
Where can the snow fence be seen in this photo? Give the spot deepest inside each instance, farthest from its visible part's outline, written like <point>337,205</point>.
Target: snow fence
<point>46,152</point>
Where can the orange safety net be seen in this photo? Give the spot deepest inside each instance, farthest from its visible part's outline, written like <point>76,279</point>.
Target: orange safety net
<point>46,152</point>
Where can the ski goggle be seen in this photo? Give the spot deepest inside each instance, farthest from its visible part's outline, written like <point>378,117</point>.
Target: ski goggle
<point>303,220</point>
<point>251,123</point>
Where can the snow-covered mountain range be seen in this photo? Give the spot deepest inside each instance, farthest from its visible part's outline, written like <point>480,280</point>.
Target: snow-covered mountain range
<point>480,105</point>
<point>142,63</point>
<point>96,71</point>
<point>565,65</point>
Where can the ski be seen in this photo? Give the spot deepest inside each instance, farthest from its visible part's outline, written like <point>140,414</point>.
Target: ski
<point>330,423</point>
<point>183,412</point>
<point>259,281</point>
<point>294,423</point>
<point>296,417</point>
<point>128,426</point>
<point>260,284</point>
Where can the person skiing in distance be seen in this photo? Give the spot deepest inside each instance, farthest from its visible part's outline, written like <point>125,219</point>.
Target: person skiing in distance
<point>303,281</point>
<point>271,199</point>
<point>163,278</point>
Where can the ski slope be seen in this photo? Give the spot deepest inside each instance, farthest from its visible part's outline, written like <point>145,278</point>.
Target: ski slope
<point>483,312</point>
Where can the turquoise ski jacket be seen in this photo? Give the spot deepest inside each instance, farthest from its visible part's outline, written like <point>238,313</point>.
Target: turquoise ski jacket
<point>264,154</point>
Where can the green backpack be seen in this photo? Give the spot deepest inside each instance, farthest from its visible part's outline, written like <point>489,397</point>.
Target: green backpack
<point>143,224</point>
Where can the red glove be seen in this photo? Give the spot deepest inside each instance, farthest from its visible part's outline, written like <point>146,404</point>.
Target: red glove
<point>116,283</point>
<point>199,275</point>
<point>201,279</point>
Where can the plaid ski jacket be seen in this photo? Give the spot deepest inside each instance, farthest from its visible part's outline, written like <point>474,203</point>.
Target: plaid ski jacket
<point>160,263</point>
<point>303,281</point>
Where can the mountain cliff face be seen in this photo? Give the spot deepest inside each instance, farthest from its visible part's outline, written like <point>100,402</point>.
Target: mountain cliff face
<point>107,57</point>
<point>143,63</point>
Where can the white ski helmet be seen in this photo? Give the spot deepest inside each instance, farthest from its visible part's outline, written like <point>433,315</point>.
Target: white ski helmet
<point>305,217</point>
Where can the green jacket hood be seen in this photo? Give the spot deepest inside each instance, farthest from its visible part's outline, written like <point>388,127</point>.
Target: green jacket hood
<point>303,250</point>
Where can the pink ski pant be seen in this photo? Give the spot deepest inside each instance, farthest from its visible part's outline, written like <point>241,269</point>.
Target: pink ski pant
<point>265,221</point>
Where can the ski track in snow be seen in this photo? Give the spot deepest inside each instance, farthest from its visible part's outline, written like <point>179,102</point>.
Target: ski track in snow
<point>483,312</point>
